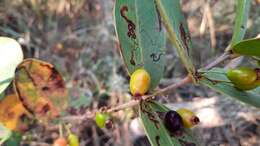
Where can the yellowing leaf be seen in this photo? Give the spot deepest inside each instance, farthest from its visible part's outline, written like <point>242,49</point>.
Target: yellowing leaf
<point>11,111</point>
<point>41,88</point>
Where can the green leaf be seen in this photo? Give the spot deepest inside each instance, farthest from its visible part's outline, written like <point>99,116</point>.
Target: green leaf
<point>177,29</point>
<point>5,134</point>
<point>10,56</point>
<point>242,12</point>
<point>142,38</point>
<point>14,140</point>
<point>155,130</point>
<point>251,97</point>
<point>215,74</point>
<point>250,47</point>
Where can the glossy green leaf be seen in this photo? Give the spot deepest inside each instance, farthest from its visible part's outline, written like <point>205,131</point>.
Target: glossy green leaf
<point>142,38</point>
<point>250,47</point>
<point>242,12</point>
<point>177,30</point>
<point>10,56</point>
<point>5,134</point>
<point>155,130</point>
<point>216,82</point>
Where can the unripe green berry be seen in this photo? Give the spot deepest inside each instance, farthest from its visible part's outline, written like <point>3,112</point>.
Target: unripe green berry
<point>101,119</point>
<point>242,75</point>
<point>244,78</point>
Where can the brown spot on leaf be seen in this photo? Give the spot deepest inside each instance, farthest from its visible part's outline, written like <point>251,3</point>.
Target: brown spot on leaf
<point>132,60</point>
<point>146,109</point>
<point>41,88</point>
<point>10,114</point>
<point>45,88</point>
<point>185,37</point>
<point>130,23</point>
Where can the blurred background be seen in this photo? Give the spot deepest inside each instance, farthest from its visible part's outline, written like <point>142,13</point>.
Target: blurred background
<point>78,37</point>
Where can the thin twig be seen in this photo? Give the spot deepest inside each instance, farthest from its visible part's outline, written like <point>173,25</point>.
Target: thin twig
<point>211,25</point>
<point>218,60</point>
<point>132,103</point>
<point>78,118</point>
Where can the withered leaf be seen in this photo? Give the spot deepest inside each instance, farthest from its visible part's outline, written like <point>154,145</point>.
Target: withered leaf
<point>41,88</point>
<point>11,112</point>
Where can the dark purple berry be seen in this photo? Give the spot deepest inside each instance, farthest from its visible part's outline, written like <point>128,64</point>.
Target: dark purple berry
<point>173,121</point>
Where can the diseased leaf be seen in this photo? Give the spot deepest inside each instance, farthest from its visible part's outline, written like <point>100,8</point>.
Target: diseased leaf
<point>250,47</point>
<point>157,134</point>
<point>251,97</point>
<point>242,12</point>
<point>154,129</point>
<point>11,112</point>
<point>142,39</point>
<point>10,56</point>
<point>41,88</point>
<point>177,30</point>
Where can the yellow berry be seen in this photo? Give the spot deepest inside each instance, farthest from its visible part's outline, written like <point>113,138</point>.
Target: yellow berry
<point>189,119</point>
<point>139,82</point>
<point>73,140</point>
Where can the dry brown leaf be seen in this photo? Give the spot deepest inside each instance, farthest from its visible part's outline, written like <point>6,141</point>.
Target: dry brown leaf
<point>11,112</point>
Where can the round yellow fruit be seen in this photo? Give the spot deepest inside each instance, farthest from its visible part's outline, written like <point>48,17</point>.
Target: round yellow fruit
<point>139,82</point>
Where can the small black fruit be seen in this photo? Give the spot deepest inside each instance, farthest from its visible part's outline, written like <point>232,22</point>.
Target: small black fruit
<point>173,121</point>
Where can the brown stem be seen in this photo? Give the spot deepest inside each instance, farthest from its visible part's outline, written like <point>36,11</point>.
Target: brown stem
<point>218,60</point>
<point>91,115</point>
<point>132,103</point>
